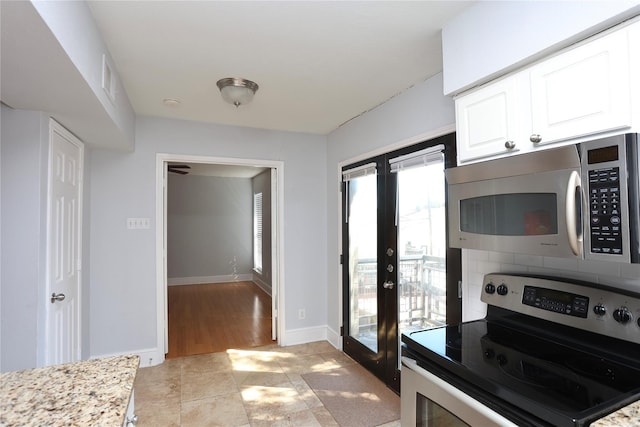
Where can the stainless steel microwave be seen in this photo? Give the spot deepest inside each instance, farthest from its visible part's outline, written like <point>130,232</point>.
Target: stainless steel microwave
<point>576,201</point>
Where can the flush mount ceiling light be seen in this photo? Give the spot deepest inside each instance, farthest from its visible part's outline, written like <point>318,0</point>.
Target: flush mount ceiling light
<point>171,102</point>
<point>237,91</point>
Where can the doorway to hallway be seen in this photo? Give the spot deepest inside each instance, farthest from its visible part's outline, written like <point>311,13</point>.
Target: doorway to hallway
<point>254,304</point>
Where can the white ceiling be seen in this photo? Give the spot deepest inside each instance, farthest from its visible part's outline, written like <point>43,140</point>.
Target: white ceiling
<point>318,63</point>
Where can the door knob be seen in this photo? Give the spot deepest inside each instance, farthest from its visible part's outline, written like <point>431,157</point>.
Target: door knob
<point>57,297</point>
<point>388,284</point>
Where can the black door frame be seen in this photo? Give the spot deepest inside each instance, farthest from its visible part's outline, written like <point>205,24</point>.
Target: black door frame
<point>384,363</point>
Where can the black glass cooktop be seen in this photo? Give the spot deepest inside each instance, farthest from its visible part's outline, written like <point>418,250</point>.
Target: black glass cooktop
<point>549,378</point>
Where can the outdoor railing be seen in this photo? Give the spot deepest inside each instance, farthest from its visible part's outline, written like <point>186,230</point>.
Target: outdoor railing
<point>421,292</point>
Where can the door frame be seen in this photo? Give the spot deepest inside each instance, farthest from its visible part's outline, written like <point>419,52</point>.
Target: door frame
<point>277,238</point>
<point>424,137</point>
<point>373,153</point>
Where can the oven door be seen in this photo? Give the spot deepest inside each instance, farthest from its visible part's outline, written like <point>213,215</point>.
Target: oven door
<point>427,400</point>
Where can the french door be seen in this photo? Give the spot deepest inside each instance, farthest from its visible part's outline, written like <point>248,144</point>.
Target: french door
<point>398,271</point>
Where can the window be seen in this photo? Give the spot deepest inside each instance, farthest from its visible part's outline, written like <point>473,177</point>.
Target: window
<point>257,232</point>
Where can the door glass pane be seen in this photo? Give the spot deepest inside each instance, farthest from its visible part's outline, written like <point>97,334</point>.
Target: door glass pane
<point>518,214</point>
<point>421,248</point>
<point>363,272</point>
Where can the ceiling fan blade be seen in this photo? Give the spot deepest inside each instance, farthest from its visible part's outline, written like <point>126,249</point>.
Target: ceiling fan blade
<point>181,172</point>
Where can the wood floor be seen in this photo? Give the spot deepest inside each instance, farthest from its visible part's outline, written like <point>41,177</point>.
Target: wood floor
<point>215,317</point>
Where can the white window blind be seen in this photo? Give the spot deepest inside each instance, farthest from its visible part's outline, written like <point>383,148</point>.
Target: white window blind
<point>354,173</point>
<point>359,171</point>
<point>424,157</point>
<point>257,231</point>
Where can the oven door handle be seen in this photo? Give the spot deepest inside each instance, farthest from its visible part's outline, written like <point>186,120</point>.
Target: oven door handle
<point>572,213</point>
<point>416,379</point>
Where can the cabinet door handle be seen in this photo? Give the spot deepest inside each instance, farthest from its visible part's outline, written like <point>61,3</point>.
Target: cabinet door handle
<point>509,145</point>
<point>535,138</point>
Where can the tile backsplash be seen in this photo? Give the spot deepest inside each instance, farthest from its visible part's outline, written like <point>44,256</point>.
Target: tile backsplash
<point>476,263</point>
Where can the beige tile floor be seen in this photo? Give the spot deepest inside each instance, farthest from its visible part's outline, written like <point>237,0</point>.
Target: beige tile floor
<point>256,387</point>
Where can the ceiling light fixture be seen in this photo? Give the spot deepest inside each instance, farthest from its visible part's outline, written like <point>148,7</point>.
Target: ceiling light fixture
<point>237,91</point>
<point>171,102</point>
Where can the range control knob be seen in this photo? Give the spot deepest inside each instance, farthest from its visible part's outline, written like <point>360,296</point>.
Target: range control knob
<point>600,310</point>
<point>622,315</point>
<point>502,289</point>
<point>490,288</point>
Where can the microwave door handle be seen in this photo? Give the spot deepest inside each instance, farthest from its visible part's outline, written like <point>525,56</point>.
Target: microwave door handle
<point>572,214</point>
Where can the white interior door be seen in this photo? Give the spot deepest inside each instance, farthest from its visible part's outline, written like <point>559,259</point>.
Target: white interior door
<point>62,333</point>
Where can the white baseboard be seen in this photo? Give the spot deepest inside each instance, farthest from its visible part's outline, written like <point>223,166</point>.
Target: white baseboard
<point>199,280</point>
<point>304,335</point>
<point>148,357</point>
<point>334,338</point>
<point>262,284</point>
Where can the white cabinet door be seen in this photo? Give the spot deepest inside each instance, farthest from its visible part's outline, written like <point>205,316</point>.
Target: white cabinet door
<point>583,91</point>
<point>634,59</point>
<point>487,120</point>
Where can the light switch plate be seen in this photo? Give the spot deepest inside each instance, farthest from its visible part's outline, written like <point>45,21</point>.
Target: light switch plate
<point>138,223</point>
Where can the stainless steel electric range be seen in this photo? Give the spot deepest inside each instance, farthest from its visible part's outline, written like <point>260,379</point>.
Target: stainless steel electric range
<point>550,352</point>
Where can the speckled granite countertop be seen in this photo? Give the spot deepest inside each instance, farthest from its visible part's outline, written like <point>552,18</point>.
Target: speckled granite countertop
<point>89,393</point>
<point>629,416</point>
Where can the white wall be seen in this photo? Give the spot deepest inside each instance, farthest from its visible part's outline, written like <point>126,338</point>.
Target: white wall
<point>24,157</point>
<point>420,113</point>
<point>123,270</point>
<point>209,228</point>
<point>478,263</point>
<point>491,38</point>
<point>1,242</point>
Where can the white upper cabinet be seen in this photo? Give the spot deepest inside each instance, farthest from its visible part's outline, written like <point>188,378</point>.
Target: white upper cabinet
<point>583,91</point>
<point>487,120</point>
<point>634,74</point>
<point>587,90</point>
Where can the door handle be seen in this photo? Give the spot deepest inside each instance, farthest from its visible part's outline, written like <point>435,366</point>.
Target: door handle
<point>388,284</point>
<point>57,297</point>
<point>572,211</point>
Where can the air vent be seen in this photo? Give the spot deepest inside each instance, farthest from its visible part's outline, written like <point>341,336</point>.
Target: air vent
<point>108,83</point>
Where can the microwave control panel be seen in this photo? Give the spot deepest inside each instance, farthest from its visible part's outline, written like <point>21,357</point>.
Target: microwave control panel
<point>605,214</point>
<point>605,185</point>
